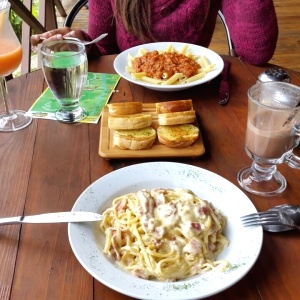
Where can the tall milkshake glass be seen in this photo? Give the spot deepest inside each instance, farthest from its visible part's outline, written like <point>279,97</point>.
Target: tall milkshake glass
<point>273,131</point>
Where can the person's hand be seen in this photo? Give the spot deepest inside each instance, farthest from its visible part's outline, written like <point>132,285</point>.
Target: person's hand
<point>55,35</point>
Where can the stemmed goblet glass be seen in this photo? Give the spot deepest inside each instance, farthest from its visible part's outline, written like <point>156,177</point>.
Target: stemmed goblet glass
<point>64,65</point>
<point>10,59</point>
<point>273,131</point>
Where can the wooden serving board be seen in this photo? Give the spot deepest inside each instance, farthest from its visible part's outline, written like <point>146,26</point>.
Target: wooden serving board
<point>108,150</point>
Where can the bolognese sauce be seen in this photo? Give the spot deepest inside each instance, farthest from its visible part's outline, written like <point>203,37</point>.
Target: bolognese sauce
<point>165,65</point>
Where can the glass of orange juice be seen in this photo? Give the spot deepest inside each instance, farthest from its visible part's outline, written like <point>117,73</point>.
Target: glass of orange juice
<point>10,59</point>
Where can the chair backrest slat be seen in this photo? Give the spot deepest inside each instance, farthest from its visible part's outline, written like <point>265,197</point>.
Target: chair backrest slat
<point>46,21</point>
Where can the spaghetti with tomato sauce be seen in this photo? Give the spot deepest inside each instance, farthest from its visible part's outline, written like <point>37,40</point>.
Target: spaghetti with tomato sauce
<point>165,65</point>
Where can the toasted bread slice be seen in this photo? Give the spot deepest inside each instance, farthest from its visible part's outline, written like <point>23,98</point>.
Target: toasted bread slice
<point>132,121</point>
<point>173,106</point>
<point>135,139</point>
<point>177,136</point>
<point>175,118</point>
<point>124,108</point>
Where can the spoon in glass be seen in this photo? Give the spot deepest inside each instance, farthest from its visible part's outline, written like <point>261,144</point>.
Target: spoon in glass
<point>85,43</point>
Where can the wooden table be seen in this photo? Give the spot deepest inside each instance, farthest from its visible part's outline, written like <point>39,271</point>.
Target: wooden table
<point>45,167</point>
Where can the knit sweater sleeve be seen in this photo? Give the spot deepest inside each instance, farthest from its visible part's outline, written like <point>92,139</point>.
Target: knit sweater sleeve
<point>101,20</point>
<point>253,28</point>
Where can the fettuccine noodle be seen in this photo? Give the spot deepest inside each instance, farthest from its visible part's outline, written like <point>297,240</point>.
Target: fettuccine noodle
<point>164,234</point>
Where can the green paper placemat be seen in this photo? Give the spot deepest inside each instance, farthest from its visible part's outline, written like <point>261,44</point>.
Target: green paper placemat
<point>95,96</point>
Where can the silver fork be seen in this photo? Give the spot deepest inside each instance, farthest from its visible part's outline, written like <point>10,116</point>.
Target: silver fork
<point>269,218</point>
<point>83,42</point>
<point>99,38</point>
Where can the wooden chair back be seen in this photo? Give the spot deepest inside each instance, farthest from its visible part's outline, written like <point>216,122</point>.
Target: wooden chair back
<point>46,21</point>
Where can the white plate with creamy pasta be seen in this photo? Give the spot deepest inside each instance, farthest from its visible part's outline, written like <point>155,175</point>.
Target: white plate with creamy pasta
<point>213,66</point>
<point>87,241</point>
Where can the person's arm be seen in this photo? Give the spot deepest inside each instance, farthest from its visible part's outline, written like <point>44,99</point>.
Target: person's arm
<point>54,35</point>
<point>253,28</point>
<point>101,20</point>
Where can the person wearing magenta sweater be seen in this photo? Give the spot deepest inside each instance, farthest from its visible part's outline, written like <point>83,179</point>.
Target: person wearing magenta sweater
<point>252,25</point>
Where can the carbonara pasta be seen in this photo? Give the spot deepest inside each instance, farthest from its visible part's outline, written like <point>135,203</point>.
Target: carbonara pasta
<point>164,234</point>
<point>169,66</point>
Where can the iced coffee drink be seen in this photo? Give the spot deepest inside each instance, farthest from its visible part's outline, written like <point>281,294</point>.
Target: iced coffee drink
<point>273,131</point>
<point>268,137</point>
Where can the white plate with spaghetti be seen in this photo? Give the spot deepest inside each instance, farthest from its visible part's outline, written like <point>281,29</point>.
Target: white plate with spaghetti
<point>87,241</point>
<point>121,63</point>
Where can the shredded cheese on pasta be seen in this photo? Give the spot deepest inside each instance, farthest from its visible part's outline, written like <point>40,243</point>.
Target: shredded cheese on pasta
<point>164,234</point>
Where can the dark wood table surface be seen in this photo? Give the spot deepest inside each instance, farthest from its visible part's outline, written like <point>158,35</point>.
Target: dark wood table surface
<point>46,166</point>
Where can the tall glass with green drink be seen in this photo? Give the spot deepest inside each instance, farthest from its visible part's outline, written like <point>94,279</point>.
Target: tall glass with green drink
<point>65,69</point>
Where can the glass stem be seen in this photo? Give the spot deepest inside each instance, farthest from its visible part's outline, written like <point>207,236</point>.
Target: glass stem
<point>263,172</point>
<point>5,96</point>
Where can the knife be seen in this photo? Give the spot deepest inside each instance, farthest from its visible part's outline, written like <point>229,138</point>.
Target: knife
<point>59,217</point>
<point>224,88</point>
